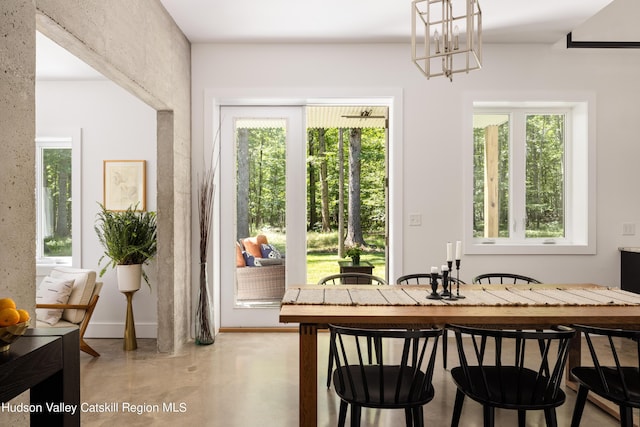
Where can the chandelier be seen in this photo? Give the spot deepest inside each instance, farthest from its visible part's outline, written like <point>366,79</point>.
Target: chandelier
<point>445,38</point>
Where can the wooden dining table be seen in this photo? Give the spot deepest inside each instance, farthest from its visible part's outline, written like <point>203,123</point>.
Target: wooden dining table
<point>324,306</point>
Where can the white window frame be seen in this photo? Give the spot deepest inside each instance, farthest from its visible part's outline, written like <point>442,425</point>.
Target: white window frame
<point>580,179</point>
<point>60,139</point>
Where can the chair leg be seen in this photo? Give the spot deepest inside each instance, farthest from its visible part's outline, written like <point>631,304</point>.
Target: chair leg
<point>88,349</point>
<point>522,418</point>
<point>489,415</point>
<point>329,368</point>
<point>550,417</point>
<point>581,399</point>
<point>444,349</point>
<point>330,363</point>
<point>408,417</point>
<point>355,415</point>
<point>457,409</point>
<point>342,417</point>
<point>418,417</point>
<point>626,416</point>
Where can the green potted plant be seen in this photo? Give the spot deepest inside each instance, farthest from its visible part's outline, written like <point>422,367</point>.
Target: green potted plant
<point>354,253</point>
<point>129,239</point>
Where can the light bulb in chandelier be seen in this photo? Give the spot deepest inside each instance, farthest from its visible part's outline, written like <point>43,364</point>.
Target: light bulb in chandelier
<point>456,36</point>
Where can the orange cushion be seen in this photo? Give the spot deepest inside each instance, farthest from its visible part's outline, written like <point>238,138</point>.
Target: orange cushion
<point>252,244</point>
<point>239,258</point>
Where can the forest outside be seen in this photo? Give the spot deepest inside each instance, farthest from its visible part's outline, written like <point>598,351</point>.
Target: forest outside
<point>55,197</point>
<point>538,171</point>
<point>346,177</point>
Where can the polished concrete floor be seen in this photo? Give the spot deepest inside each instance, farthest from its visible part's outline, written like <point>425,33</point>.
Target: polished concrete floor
<point>248,379</point>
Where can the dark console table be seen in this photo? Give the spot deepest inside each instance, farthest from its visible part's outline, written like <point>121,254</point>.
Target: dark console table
<point>46,361</point>
<point>349,267</point>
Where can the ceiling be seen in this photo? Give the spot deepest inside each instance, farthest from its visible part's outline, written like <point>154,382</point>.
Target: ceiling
<point>365,21</point>
<point>297,21</point>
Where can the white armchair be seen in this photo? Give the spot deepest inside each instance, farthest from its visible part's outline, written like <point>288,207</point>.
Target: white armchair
<point>67,298</point>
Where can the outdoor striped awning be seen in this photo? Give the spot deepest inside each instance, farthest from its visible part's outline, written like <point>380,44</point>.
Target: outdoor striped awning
<point>327,116</point>
<point>347,116</point>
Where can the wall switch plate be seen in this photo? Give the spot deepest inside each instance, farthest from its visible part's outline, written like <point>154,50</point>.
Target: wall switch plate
<point>629,229</point>
<point>415,219</point>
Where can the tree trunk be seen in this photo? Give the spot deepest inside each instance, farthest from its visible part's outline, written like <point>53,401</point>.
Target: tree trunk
<point>313,218</point>
<point>258,196</point>
<point>242,191</point>
<point>62,226</point>
<point>324,185</point>
<point>354,228</point>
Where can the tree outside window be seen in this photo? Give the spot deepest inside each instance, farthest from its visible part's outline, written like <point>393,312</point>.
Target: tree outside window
<point>54,200</point>
<point>519,174</point>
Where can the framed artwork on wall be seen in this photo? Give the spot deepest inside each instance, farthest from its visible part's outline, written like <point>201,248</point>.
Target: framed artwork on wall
<point>125,184</point>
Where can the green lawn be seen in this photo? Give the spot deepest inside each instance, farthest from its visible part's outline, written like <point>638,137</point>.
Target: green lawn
<point>322,252</point>
<point>320,264</point>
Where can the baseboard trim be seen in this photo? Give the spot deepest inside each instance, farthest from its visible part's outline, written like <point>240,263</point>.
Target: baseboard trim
<point>116,330</point>
<point>254,329</point>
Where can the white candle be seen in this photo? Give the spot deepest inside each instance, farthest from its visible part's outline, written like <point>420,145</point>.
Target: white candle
<point>434,270</point>
<point>444,268</point>
<point>449,252</point>
<point>458,249</point>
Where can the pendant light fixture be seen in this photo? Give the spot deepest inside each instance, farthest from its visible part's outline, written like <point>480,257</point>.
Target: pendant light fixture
<point>446,36</point>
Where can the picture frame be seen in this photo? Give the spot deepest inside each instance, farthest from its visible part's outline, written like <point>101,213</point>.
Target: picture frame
<point>125,184</point>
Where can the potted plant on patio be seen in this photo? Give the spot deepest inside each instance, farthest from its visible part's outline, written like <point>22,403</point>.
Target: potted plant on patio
<point>354,253</point>
<point>129,239</point>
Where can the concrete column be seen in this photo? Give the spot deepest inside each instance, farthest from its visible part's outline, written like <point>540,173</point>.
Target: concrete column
<point>139,47</point>
<point>17,163</point>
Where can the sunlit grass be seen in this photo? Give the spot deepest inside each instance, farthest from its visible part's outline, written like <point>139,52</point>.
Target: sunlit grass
<point>322,252</point>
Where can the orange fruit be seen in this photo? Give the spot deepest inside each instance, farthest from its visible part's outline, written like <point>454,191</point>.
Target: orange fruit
<point>7,303</point>
<point>9,316</point>
<point>24,315</point>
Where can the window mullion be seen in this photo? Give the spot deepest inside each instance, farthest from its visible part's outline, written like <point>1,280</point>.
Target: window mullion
<point>517,175</point>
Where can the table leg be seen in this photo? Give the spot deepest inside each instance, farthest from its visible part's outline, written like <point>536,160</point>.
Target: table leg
<point>308,375</point>
<point>61,388</point>
<point>574,358</point>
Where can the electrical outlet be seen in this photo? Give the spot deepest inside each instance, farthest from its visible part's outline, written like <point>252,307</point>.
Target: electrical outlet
<point>415,219</point>
<point>629,229</point>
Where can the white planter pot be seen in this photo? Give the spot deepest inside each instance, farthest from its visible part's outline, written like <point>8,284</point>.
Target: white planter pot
<point>129,277</point>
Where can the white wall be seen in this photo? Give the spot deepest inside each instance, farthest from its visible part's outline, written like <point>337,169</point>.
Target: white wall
<point>431,143</point>
<point>115,126</point>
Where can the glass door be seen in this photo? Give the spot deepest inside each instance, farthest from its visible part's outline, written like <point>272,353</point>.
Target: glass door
<point>262,211</point>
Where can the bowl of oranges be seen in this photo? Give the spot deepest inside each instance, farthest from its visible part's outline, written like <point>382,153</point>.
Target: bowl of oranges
<point>13,322</point>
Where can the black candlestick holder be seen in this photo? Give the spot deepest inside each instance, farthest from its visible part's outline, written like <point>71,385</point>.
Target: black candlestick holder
<point>445,284</point>
<point>458,296</point>
<point>434,287</point>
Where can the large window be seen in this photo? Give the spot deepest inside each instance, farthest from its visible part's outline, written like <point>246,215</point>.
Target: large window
<point>57,200</point>
<point>532,178</point>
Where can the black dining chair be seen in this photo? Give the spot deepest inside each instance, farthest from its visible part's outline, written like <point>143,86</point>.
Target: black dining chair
<point>425,279</point>
<point>615,374</point>
<point>349,279</point>
<point>421,279</point>
<point>499,369</point>
<point>352,279</point>
<point>401,378</point>
<point>503,278</point>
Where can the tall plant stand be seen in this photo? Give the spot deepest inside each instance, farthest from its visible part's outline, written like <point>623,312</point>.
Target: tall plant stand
<point>130,342</point>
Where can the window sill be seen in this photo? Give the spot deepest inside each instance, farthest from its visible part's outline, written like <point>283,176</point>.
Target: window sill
<point>44,268</point>
<point>529,249</point>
